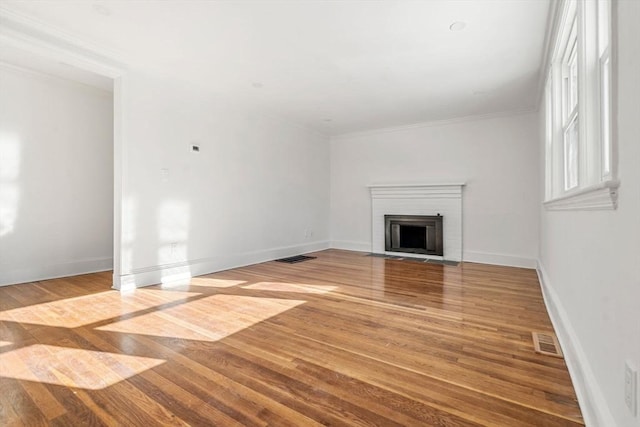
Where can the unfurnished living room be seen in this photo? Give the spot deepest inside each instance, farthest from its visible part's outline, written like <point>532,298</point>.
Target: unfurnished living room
<point>316,212</point>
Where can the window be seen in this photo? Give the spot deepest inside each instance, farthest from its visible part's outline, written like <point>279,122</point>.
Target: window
<point>579,148</point>
<point>604,37</point>
<point>570,108</point>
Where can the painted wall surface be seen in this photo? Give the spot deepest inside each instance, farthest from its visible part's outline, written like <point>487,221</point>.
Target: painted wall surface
<point>56,177</point>
<point>592,258</point>
<point>496,157</point>
<point>257,189</point>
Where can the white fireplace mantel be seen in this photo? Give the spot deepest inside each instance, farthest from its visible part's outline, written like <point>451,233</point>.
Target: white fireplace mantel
<point>419,199</point>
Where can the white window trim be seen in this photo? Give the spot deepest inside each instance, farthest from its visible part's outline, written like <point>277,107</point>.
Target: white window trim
<point>604,61</point>
<point>602,196</point>
<point>596,190</point>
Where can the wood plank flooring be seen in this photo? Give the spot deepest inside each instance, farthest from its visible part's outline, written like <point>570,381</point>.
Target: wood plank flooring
<point>345,339</point>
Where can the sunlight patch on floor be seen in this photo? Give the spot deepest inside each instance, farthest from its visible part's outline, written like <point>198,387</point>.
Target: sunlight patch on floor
<point>207,319</point>
<point>291,287</point>
<point>212,282</point>
<point>71,367</point>
<point>205,282</point>
<point>87,309</point>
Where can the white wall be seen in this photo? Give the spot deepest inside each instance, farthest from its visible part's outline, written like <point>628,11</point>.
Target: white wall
<point>496,157</point>
<point>590,260</point>
<point>56,177</point>
<point>256,191</point>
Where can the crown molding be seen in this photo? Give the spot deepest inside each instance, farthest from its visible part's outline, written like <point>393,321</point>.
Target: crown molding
<point>553,21</point>
<point>39,38</point>
<point>52,77</point>
<point>434,123</point>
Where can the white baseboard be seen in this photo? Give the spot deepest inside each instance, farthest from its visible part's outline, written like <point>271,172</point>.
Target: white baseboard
<point>498,259</point>
<point>53,271</point>
<point>186,270</point>
<point>595,410</point>
<point>479,257</point>
<point>351,246</point>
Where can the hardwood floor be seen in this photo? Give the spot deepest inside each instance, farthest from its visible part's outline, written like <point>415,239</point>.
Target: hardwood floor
<point>345,339</point>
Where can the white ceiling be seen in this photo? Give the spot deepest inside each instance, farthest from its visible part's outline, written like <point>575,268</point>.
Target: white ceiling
<point>336,66</point>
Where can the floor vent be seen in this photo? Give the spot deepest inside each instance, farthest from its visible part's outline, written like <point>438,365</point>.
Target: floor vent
<point>294,259</point>
<point>546,343</point>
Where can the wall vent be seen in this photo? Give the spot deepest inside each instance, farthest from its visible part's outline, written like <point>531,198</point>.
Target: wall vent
<point>546,343</point>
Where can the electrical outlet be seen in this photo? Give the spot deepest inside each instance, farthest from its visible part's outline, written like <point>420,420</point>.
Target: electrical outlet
<point>631,387</point>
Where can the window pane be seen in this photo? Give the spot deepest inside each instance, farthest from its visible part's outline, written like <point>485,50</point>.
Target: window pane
<point>571,156</point>
<point>549,138</point>
<point>570,75</point>
<point>606,118</point>
<point>603,25</point>
<point>573,79</point>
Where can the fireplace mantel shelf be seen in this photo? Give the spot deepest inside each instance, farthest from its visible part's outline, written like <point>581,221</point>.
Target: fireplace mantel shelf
<point>444,184</point>
<point>429,191</point>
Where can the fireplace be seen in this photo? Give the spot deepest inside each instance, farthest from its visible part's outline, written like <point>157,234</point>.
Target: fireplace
<point>418,234</point>
<point>419,199</point>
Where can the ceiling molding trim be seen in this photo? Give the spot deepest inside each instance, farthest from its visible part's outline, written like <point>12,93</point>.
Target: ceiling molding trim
<point>46,76</point>
<point>444,122</point>
<point>44,40</point>
<point>553,21</point>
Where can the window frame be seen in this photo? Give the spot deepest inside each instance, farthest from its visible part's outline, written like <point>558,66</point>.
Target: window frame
<point>580,173</point>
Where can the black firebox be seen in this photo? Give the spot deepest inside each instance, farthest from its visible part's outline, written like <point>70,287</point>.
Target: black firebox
<point>417,234</point>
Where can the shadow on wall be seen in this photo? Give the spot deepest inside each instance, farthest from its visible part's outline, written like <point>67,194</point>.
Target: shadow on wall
<point>9,190</point>
<point>172,239</point>
<point>173,235</point>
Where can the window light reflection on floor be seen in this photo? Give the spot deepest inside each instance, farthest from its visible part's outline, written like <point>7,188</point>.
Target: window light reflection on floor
<point>208,319</point>
<point>71,367</point>
<point>212,282</point>
<point>72,312</point>
<point>291,287</point>
<point>202,281</point>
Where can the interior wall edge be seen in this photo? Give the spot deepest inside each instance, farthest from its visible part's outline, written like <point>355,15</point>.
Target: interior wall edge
<point>498,259</point>
<point>54,271</point>
<point>434,123</point>
<point>468,256</point>
<point>593,405</point>
<point>185,270</point>
<point>348,245</point>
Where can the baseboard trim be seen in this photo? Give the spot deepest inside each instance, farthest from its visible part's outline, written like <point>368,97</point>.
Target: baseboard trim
<point>595,410</point>
<point>351,245</point>
<point>498,259</point>
<point>479,257</point>
<point>183,271</point>
<point>54,271</point>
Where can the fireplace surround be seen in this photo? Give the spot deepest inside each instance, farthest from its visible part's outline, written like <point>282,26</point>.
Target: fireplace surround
<point>419,199</point>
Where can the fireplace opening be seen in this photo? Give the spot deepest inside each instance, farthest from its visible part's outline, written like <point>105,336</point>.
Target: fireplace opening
<point>418,234</point>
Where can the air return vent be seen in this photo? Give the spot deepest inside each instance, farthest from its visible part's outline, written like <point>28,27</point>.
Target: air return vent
<point>296,258</point>
<point>546,343</point>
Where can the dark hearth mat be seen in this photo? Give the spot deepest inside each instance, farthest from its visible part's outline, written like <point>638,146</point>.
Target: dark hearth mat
<point>294,259</point>
<point>409,258</point>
